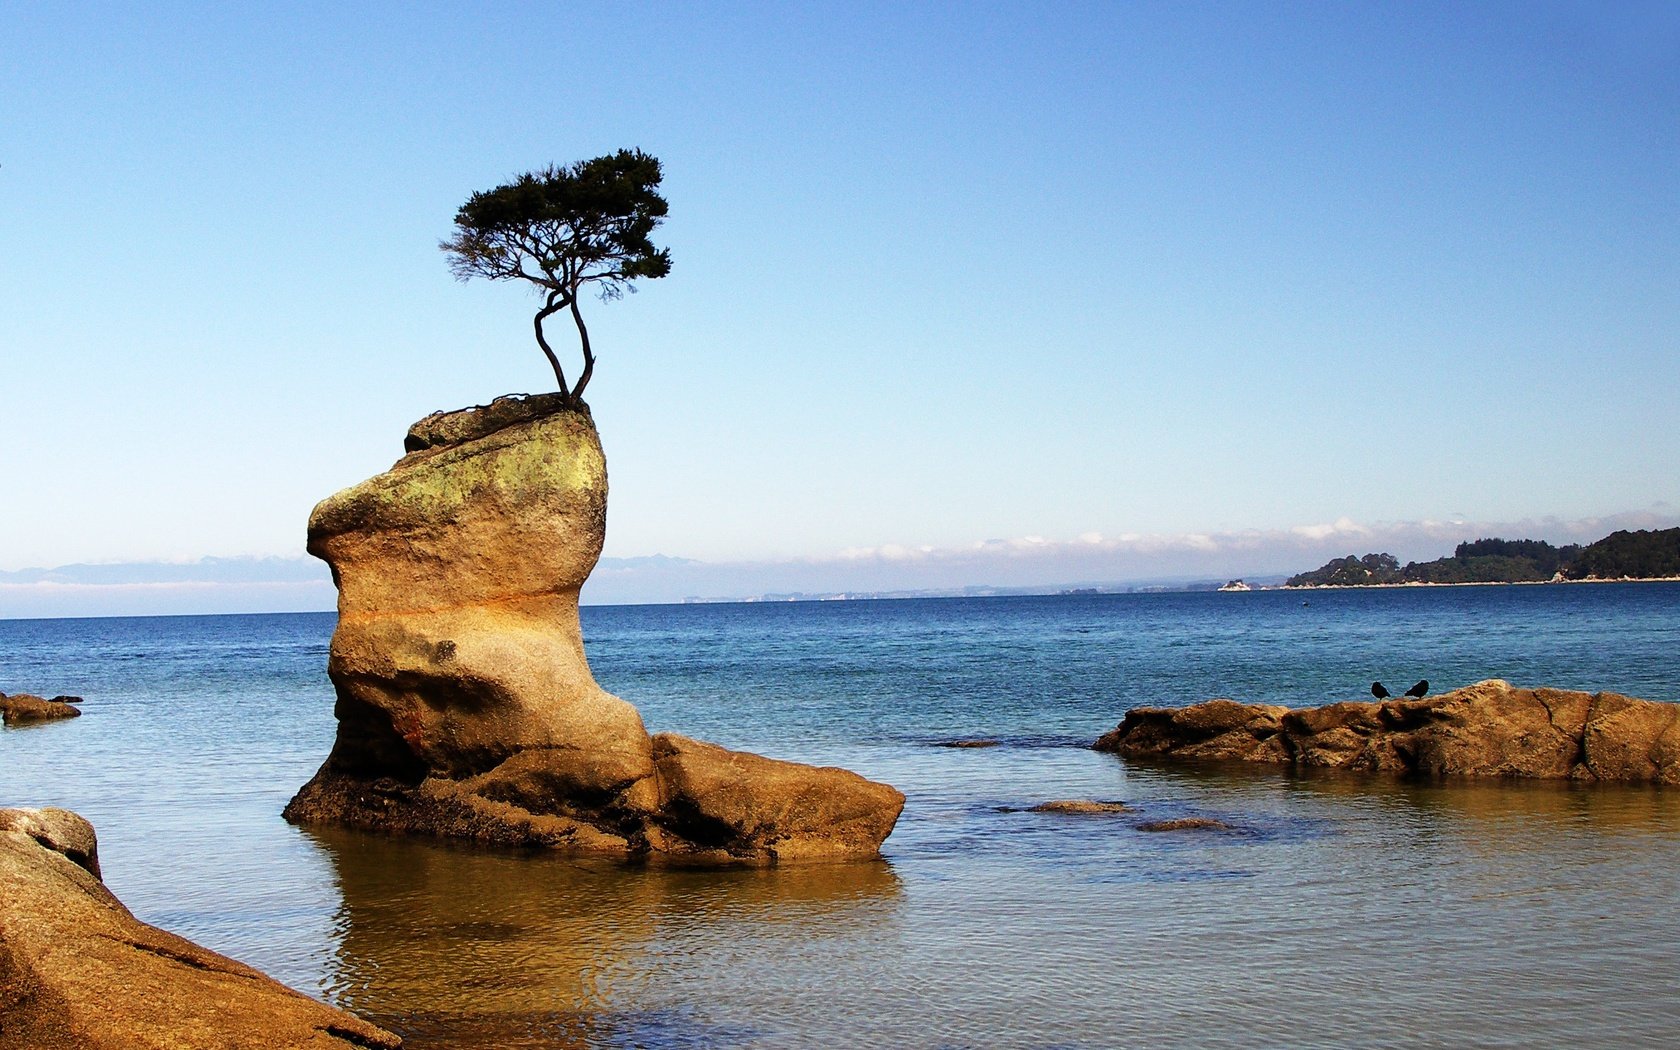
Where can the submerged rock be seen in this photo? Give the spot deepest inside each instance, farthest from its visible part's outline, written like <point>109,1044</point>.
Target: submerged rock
<point>79,972</point>
<point>1079,806</point>
<point>1488,729</point>
<point>466,707</point>
<point>1185,824</point>
<point>21,708</point>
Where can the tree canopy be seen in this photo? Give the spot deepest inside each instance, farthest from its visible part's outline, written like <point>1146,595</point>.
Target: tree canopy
<point>563,227</point>
<point>1637,555</point>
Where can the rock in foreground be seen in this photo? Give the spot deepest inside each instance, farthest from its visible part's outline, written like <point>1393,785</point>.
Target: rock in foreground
<point>22,708</point>
<point>466,707</point>
<point>1488,729</point>
<point>78,972</point>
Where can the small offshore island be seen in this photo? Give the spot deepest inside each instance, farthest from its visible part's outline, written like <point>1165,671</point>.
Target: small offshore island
<point>1623,555</point>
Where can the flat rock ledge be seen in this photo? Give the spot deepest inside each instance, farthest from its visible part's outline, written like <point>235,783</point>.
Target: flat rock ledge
<point>79,972</point>
<point>466,707</point>
<point>24,708</point>
<point>1489,729</point>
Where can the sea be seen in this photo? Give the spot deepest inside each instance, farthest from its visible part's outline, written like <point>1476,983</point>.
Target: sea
<point>1336,910</point>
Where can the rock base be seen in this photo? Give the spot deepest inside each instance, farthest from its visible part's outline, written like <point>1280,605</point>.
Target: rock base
<point>1488,729</point>
<point>701,804</point>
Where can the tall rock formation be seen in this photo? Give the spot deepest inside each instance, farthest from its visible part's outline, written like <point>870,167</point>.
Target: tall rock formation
<point>1491,728</point>
<point>466,707</point>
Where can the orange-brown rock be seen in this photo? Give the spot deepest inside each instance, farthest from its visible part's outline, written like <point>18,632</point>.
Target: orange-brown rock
<point>79,972</point>
<point>1488,729</point>
<point>721,804</point>
<point>1215,729</point>
<point>21,708</point>
<point>466,707</point>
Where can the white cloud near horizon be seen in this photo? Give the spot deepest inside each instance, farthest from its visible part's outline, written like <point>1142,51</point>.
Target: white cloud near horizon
<point>301,584</point>
<point>1412,540</point>
<point>1091,558</point>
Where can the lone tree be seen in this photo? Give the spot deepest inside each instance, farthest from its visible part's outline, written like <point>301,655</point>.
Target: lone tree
<point>561,228</point>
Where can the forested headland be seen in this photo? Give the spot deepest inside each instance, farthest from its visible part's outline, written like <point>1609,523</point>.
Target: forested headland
<point>1638,555</point>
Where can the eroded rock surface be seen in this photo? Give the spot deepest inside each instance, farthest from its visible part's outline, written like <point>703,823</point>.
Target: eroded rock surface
<point>1491,728</point>
<point>79,972</point>
<point>466,707</point>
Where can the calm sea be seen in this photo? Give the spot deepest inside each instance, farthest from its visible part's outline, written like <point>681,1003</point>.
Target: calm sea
<point>1341,911</point>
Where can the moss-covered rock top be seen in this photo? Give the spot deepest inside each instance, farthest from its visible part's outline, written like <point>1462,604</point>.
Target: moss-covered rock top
<point>546,465</point>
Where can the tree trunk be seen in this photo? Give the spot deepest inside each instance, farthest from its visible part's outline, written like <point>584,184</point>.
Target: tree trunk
<point>553,307</point>
<point>588,357</point>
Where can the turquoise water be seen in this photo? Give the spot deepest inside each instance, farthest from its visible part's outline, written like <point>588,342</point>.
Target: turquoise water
<point>1339,911</point>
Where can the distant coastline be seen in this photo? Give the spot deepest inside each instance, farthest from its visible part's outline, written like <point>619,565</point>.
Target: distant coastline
<point>1622,555</point>
<point>1207,587</point>
<point>1464,583</point>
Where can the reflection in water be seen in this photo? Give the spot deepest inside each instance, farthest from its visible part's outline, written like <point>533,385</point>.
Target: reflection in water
<point>1340,910</point>
<point>458,947</point>
<point>1492,799</point>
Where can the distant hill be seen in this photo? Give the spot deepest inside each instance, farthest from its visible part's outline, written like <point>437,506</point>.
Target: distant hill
<point>1636,555</point>
<point>1632,555</point>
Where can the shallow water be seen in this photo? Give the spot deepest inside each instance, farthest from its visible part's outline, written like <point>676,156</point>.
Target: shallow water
<point>1336,911</point>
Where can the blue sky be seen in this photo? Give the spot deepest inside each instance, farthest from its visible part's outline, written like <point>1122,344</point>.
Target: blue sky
<point>944,274</point>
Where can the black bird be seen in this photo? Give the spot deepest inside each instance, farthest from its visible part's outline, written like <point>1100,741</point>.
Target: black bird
<point>1419,689</point>
<point>1378,691</point>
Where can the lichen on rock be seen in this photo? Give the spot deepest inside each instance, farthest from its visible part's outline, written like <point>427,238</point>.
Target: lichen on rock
<point>466,706</point>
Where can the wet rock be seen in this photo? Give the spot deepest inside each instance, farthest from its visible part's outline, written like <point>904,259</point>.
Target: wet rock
<point>22,708</point>
<point>1185,824</point>
<point>977,742</point>
<point>1079,806</point>
<point>79,972</point>
<point>1488,729</point>
<point>466,707</point>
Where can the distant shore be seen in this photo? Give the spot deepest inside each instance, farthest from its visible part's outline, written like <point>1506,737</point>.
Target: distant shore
<point>1466,583</point>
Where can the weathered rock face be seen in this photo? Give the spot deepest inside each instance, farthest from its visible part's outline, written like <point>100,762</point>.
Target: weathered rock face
<point>78,972</point>
<point>466,707</point>
<point>22,708</point>
<point>716,803</point>
<point>1488,729</point>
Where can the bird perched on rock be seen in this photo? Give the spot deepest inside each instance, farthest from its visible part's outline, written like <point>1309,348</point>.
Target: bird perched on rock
<point>1419,689</point>
<point>1378,691</point>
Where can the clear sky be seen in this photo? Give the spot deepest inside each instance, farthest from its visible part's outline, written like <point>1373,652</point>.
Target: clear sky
<point>1049,274</point>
